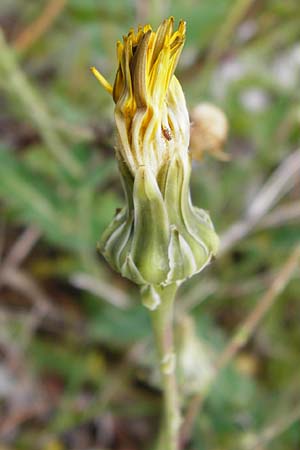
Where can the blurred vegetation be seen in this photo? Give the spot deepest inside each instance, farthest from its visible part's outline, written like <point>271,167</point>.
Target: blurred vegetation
<point>75,346</point>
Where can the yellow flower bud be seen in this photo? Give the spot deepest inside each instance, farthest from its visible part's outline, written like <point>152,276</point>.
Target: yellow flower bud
<point>159,238</point>
<point>151,118</point>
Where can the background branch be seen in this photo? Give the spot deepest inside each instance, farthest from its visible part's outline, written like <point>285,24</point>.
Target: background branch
<point>242,335</point>
<point>40,26</point>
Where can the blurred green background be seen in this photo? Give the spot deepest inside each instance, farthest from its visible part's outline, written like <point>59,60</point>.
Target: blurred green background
<point>75,344</point>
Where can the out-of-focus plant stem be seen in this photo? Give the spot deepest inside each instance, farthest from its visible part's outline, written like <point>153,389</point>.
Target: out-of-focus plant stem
<point>242,335</point>
<point>162,323</point>
<point>37,28</point>
<point>221,41</point>
<point>16,83</point>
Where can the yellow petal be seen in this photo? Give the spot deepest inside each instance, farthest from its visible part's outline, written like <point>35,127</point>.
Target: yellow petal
<point>102,80</point>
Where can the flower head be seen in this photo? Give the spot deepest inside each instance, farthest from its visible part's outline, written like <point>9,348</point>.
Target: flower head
<point>159,238</point>
<point>150,111</point>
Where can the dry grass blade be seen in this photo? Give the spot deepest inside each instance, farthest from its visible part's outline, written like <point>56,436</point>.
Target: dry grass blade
<point>282,215</point>
<point>40,26</point>
<point>249,325</point>
<point>244,332</point>
<point>277,185</point>
<point>98,287</point>
<point>22,246</point>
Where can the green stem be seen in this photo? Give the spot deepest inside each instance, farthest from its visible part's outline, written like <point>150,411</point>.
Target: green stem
<point>162,323</point>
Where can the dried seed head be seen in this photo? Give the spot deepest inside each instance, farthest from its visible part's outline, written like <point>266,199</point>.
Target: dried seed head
<point>195,360</point>
<point>209,131</point>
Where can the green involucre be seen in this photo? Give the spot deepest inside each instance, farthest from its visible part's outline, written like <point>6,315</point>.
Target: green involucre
<point>159,237</point>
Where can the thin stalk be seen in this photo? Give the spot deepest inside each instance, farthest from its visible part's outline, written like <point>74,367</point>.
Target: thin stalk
<point>242,336</point>
<point>162,323</point>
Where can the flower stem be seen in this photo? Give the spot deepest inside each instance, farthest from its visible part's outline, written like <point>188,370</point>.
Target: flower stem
<point>162,323</point>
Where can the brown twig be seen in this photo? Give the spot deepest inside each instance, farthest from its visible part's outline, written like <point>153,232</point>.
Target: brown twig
<point>22,247</point>
<point>248,327</point>
<point>221,41</point>
<point>276,186</point>
<point>234,18</point>
<point>39,27</point>
<point>24,283</point>
<point>106,291</point>
<point>281,215</point>
<point>241,337</point>
<point>21,415</point>
<point>281,181</point>
<point>11,275</point>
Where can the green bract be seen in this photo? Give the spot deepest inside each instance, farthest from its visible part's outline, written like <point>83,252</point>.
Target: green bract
<point>159,237</point>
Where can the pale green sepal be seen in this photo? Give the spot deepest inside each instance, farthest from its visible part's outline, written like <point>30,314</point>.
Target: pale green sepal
<point>117,221</point>
<point>194,231</point>
<point>127,181</point>
<point>213,239</point>
<point>115,240</point>
<point>181,258</point>
<point>129,270</point>
<point>150,297</point>
<point>149,249</point>
<point>197,221</point>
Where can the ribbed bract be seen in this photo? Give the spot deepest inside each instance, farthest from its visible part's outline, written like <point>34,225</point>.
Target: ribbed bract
<point>159,237</point>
